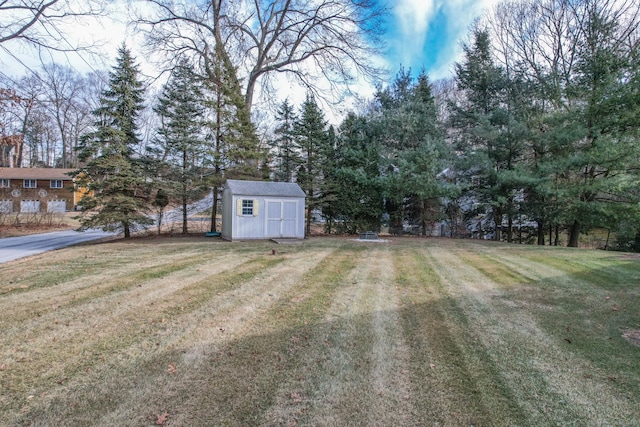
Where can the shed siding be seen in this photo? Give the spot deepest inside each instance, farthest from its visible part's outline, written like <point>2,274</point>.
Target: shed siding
<point>227,212</point>
<point>273,215</point>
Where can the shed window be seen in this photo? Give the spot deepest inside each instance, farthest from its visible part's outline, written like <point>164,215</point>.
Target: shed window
<point>5,183</point>
<point>55,183</point>
<point>247,207</point>
<point>30,183</point>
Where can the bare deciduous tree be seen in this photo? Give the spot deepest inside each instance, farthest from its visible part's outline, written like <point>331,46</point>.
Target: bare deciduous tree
<point>40,23</point>
<point>328,41</point>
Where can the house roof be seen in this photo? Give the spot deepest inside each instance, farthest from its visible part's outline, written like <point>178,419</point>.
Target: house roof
<point>36,173</point>
<point>264,188</point>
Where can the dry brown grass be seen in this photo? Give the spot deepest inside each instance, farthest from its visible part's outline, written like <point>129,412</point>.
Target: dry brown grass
<point>195,331</point>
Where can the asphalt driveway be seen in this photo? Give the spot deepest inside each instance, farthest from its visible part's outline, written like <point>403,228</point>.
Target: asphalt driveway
<point>19,247</point>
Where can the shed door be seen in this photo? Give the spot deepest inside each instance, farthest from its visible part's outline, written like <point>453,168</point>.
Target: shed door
<point>281,218</point>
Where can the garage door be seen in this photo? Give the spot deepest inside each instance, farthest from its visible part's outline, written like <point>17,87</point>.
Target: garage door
<point>281,218</point>
<point>30,206</point>
<point>56,206</point>
<point>6,206</point>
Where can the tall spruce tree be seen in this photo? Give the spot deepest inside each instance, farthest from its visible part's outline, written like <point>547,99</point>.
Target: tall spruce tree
<point>181,134</point>
<point>119,194</point>
<point>234,150</point>
<point>601,182</point>
<point>489,135</point>
<point>285,154</point>
<point>414,152</point>
<point>312,139</point>
<point>359,202</point>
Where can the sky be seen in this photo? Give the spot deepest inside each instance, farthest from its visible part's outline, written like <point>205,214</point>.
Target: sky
<point>420,34</point>
<point>428,33</point>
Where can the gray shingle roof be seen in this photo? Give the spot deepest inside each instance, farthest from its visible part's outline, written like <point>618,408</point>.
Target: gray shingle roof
<point>264,188</point>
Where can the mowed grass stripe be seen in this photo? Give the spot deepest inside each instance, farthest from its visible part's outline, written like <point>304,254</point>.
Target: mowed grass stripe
<point>589,317</point>
<point>389,386</point>
<point>454,381</point>
<point>353,374</point>
<point>121,377</point>
<point>485,259</point>
<point>81,262</point>
<point>65,318</point>
<point>545,380</point>
<point>41,301</point>
<point>237,383</point>
<point>115,334</point>
<point>188,341</point>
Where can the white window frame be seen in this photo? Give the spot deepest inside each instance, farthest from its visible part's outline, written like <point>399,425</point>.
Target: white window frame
<point>56,183</point>
<point>26,183</point>
<point>5,183</point>
<point>247,207</point>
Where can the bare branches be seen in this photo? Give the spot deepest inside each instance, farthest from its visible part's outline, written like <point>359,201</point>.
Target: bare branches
<point>40,23</point>
<point>323,45</point>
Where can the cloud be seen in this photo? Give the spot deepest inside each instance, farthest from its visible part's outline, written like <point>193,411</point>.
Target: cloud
<point>428,32</point>
<point>412,24</point>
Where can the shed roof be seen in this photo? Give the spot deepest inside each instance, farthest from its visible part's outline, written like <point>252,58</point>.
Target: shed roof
<point>264,188</point>
<point>36,173</point>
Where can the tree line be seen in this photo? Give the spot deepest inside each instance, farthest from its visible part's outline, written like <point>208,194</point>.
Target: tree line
<point>535,135</point>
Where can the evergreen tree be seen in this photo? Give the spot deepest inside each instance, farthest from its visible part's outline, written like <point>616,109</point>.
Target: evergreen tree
<point>414,152</point>
<point>360,192</point>
<point>234,149</point>
<point>286,157</point>
<point>119,197</point>
<point>489,134</point>
<point>181,134</point>
<point>312,140</point>
<point>601,182</point>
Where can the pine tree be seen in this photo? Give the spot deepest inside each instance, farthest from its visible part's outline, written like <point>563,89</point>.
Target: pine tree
<point>601,184</point>
<point>119,197</point>
<point>311,137</point>
<point>359,195</point>
<point>286,157</point>
<point>490,136</point>
<point>234,149</point>
<point>414,152</point>
<point>181,134</point>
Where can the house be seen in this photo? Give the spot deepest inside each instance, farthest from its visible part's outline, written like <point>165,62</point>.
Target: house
<point>37,190</point>
<point>262,210</point>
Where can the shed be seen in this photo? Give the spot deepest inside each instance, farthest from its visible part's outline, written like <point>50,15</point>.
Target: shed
<point>262,210</point>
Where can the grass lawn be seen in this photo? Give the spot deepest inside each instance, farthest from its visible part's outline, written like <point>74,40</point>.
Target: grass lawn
<point>199,332</point>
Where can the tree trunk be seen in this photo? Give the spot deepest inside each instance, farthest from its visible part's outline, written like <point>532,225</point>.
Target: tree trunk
<point>574,234</point>
<point>541,234</point>
<point>185,225</point>
<point>127,231</point>
<point>510,229</point>
<point>497,219</point>
<point>214,208</point>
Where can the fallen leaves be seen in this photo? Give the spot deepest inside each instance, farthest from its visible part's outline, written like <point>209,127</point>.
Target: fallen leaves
<point>162,419</point>
<point>172,368</point>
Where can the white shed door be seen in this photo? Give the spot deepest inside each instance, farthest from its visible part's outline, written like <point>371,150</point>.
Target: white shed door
<point>281,218</point>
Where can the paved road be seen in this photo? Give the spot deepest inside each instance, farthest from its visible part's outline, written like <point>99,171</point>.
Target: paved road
<point>18,247</point>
